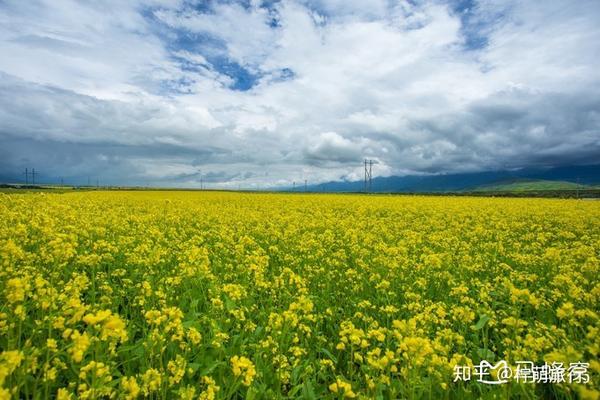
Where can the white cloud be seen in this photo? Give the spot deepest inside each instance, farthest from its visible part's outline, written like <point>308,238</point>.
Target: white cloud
<point>336,82</point>
<point>246,33</point>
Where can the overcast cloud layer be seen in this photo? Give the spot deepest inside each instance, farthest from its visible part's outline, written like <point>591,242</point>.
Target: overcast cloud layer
<point>263,93</point>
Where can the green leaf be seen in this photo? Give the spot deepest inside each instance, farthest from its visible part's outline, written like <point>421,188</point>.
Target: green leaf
<point>483,319</point>
<point>190,323</point>
<point>251,394</point>
<point>194,366</point>
<point>229,304</point>
<point>294,390</point>
<point>295,374</point>
<point>211,368</point>
<point>258,331</point>
<point>307,391</point>
<point>486,354</point>
<point>328,354</point>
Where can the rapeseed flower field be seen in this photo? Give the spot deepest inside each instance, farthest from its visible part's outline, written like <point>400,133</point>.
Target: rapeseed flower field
<point>215,295</point>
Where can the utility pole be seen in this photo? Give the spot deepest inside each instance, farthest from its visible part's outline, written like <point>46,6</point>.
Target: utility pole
<point>365,186</point>
<point>305,185</point>
<point>26,177</point>
<point>294,186</point>
<point>33,176</point>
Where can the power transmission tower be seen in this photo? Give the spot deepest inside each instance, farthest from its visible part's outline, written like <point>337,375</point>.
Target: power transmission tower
<point>26,177</point>
<point>305,185</point>
<point>33,176</point>
<point>368,174</point>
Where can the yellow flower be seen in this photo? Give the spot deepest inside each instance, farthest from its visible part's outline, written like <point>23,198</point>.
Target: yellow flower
<point>243,366</point>
<point>5,394</point>
<point>94,319</point>
<point>567,310</point>
<point>187,393</point>
<point>327,364</point>
<point>114,327</point>
<point>588,394</point>
<point>194,336</point>
<point>151,381</point>
<point>51,344</point>
<point>344,388</point>
<point>49,373</point>
<point>15,289</point>
<point>177,370</point>
<point>81,342</point>
<point>20,312</point>
<point>9,362</point>
<point>211,390</point>
<point>63,394</point>
<point>378,295</point>
<point>130,387</point>
<point>95,370</point>
<point>234,291</point>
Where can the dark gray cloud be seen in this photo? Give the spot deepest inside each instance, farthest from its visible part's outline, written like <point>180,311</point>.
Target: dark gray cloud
<point>331,148</point>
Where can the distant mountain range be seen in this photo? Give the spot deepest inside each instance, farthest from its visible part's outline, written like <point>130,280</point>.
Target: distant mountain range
<point>488,180</point>
<point>526,179</point>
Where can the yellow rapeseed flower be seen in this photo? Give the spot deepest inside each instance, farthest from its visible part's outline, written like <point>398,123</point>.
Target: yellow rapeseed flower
<point>242,366</point>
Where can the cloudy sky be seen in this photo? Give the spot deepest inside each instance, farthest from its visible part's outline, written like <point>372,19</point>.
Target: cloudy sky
<point>263,93</point>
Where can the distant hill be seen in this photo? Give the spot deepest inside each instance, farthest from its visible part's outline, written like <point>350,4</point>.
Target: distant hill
<point>584,175</point>
<point>525,185</point>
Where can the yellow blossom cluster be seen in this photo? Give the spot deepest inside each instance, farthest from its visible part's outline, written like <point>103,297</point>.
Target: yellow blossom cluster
<point>241,366</point>
<point>220,295</point>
